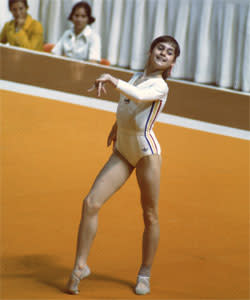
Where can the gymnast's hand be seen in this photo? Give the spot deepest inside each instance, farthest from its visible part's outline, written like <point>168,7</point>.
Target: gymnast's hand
<point>100,82</point>
<point>112,136</point>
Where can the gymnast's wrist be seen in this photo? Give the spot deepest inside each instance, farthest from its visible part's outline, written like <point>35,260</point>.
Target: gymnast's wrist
<point>113,81</point>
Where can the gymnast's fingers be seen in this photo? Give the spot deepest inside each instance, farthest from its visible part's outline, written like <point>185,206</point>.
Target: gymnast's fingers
<point>92,88</point>
<point>104,90</point>
<point>99,89</point>
<point>114,140</point>
<point>109,141</point>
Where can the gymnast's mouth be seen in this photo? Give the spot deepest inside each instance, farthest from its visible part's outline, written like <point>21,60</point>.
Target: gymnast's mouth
<point>160,58</point>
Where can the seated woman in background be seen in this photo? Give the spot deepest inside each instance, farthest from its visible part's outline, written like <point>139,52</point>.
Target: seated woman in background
<point>23,31</point>
<point>80,42</point>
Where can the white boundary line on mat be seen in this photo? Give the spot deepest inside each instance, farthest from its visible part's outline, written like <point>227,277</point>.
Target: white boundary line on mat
<point>111,107</point>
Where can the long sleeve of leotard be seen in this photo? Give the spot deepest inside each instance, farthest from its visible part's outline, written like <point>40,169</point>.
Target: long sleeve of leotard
<point>154,89</point>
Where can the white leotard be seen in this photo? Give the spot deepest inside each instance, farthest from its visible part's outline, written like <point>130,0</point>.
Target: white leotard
<point>138,109</point>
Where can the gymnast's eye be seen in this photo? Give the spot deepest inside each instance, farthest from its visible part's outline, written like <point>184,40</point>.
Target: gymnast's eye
<point>161,47</point>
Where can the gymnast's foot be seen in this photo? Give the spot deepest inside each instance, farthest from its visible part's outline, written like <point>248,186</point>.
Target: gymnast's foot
<point>75,278</point>
<point>142,285</point>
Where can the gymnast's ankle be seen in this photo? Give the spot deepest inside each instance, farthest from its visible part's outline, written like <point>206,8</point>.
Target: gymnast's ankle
<point>79,268</point>
<point>145,271</point>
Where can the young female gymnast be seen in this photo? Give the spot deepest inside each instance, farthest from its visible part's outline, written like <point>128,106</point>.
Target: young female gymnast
<point>135,147</point>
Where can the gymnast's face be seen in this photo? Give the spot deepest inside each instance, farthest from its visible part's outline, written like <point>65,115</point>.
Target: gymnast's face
<point>162,56</point>
<point>80,19</point>
<point>18,10</point>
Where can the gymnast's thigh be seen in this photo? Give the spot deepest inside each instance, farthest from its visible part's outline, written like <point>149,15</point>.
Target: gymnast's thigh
<point>127,145</point>
<point>112,176</point>
<point>148,173</point>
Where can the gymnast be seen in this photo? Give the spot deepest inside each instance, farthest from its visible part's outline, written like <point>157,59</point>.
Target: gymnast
<point>135,147</point>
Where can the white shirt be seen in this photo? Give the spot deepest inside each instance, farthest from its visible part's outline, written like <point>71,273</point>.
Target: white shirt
<point>84,46</point>
<point>139,106</point>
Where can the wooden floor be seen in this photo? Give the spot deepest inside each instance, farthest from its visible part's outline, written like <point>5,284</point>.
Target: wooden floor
<point>52,153</point>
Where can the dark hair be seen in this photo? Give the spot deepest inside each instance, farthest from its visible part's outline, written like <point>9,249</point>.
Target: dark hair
<point>87,8</point>
<point>172,41</point>
<point>14,1</point>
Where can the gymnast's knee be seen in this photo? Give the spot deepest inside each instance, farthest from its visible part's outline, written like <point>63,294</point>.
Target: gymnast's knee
<point>91,206</point>
<point>150,218</point>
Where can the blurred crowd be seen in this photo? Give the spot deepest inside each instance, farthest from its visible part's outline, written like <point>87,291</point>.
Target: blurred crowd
<point>80,42</point>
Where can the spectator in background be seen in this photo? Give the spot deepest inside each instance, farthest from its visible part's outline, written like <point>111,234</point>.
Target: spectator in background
<point>80,42</point>
<point>23,31</point>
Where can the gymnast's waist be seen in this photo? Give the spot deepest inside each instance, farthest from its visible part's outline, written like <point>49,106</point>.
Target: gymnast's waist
<point>127,131</point>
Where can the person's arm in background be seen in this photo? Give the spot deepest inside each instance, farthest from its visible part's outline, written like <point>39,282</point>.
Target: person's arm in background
<point>28,36</point>
<point>58,49</point>
<point>3,35</point>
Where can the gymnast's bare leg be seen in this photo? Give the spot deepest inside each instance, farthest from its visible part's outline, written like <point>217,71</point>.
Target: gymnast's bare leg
<point>110,179</point>
<point>148,176</point>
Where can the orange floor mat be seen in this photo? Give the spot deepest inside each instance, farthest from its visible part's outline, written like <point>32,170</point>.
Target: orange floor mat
<point>52,153</point>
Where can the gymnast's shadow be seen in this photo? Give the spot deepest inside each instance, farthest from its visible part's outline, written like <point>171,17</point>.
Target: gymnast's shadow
<point>48,270</point>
